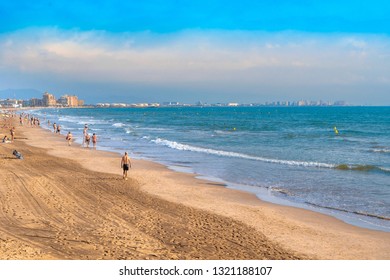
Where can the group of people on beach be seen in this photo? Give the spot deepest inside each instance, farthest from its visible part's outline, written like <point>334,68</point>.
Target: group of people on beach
<point>33,121</point>
<point>29,120</point>
<point>23,119</point>
<point>56,128</point>
<point>69,136</point>
<point>87,138</point>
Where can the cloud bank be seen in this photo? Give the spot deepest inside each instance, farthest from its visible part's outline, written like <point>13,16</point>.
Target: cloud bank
<point>212,63</point>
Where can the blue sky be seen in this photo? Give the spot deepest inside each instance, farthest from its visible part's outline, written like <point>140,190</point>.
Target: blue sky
<point>214,51</point>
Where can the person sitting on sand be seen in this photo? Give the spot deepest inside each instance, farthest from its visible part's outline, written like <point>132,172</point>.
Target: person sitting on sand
<point>69,138</point>
<point>125,164</point>
<point>6,140</point>
<point>17,154</point>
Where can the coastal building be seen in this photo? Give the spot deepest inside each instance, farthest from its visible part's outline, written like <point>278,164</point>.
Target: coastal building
<point>36,102</point>
<point>171,103</point>
<point>340,103</point>
<point>302,103</point>
<point>63,101</point>
<point>73,100</point>
<point>11,103</point>
<point>70,101</point>
<point>103,105</point>
<point>49,100</point>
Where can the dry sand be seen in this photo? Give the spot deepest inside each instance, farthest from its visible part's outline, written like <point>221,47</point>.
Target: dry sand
<point>64,202</point>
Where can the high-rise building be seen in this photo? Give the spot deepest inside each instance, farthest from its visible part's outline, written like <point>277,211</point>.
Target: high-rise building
<point>63,101</point>
<point>69,101</point>
<point>36,102</point>
<point>49,100</point>
<point>73,101</point>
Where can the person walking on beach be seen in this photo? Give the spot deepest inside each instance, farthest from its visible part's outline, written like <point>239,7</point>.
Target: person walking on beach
<point>125,164</point>
<point>12,131</point>
<point>69,138</point>
<point>94,140</point>
<point>55,127</point>
<point>58,129</point>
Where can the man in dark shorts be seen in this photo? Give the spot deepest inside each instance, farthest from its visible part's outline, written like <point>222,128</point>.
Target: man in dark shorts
<point>125,164</point>
<point>87,139</point>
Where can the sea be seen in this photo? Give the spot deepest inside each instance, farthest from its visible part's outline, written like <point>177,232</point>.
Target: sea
<point>333,160</point>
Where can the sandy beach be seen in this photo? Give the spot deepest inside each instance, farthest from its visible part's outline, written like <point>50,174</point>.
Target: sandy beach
<point>68,202</point>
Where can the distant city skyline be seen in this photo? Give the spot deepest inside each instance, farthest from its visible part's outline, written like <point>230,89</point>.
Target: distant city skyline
<point>190,51</point>
<point>69,100</point>
<point>50,100</point>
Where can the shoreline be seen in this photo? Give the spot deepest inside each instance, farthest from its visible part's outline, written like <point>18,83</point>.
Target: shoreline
<point>266,191</point>
<point>301,233</point>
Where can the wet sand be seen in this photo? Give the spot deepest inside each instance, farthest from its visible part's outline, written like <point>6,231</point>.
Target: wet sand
<point>63,202</point>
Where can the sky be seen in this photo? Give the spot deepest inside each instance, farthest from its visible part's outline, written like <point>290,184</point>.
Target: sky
<point>188,51</point>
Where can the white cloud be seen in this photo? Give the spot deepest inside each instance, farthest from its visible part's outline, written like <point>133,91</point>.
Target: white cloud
<point>249,59</point>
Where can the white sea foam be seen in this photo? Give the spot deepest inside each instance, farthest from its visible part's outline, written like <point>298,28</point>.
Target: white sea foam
<point>118,125</point>
<point>184,147</point>
<point>385,169</point>
<point>383,151</point>
<point>154,129</point>
<point>223,132</point>
<point>81,120</point>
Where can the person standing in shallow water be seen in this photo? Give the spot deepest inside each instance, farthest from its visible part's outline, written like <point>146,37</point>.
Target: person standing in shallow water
<point>94,140</point>
<point>85,131</point>
<point>125,164</point>
<point>87,139</point>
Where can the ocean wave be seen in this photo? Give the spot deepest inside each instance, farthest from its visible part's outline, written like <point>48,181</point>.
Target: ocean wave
<point>280,191</point>
<point>154,129</point>
<point>350,211</point>
<point>80,120</point>
<point>362,168</point>
<point>184,147</point>
<point>223,132</point>
<point>117,139</point>
<point>348,167</point>
<point>129,130</point>
<point>382,151</point>
<point>118,124</point>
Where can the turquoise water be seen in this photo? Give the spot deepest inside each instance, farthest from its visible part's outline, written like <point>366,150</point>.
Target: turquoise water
<point>286,155</point>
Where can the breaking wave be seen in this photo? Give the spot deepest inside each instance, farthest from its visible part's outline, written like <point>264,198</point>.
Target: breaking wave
<point>362,168</point>
<point>184,147</point>
<point>350,211</point>
<point>381,151</point>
